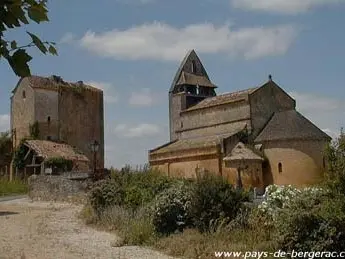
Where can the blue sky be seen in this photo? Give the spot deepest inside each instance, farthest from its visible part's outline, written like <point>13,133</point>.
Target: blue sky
<point>132,48</point>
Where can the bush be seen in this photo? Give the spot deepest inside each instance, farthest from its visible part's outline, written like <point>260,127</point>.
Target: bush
<point>214,198</point>
<point>141,188</point>
<point>284,197</point>
<point>106,193</point>
<point>132,189</point>
<point>170,210</point>
<point>320,228</point>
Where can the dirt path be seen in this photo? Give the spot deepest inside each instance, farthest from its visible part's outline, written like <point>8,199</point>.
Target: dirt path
<point>40,230</point>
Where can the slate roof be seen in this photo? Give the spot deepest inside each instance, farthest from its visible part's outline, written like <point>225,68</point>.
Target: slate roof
<point>191,79</point>
<point>191,55</point>
<point>223,99</point>
<point>290,125</point>
<point>53,83</point>
<point>241,152</point>
<point>48,149</point>
<point>199,142</point>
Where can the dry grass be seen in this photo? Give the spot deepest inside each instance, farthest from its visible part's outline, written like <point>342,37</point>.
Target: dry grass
<point>193,244</point>
<point>133,226</point>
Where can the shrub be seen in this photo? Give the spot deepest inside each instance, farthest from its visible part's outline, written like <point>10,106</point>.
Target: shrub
<point>106,193</point>
<point>141,188</point>
<point>318,228</point>
<point>214,198</point>
<point>128,189</point>
<point>170,210</point>
<point>59,163</point>
<point>278,198</point>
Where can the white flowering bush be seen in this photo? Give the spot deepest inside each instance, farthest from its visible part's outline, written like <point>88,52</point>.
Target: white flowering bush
<point>170,209</point>
<point>278,198</point>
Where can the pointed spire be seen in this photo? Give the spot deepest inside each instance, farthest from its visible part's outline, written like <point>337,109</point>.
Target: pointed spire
<point>191,65</point>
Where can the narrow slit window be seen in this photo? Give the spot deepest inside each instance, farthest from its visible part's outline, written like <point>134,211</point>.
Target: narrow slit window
<point>280,168</point>
<point>24,94</point>
<point>48,119</point>
<point>193,66</point>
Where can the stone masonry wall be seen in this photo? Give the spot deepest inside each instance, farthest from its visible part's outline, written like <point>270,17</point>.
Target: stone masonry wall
<point>302,162</point>
<point>264,102</point>
<point>218,120</point>
<point>57,188</point>
<point>81,120</point>
<point>22,110</point>
<point>46,106</point>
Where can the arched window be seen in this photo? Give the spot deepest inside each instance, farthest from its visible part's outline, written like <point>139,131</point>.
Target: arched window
<point>280,168</point>
<point>23,94</point>
<point>48,119</point>
<point>181,124</point>
<point>324,162</point>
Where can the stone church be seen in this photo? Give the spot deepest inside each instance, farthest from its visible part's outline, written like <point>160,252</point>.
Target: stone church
<point>253,137</point>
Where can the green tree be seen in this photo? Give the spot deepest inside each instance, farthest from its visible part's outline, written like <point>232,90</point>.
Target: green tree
<point>5,147</point>
<point>335,156</point>
<point>15,14</point>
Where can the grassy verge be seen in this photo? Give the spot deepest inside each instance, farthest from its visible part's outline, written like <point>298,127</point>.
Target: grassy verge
<point>12,187</point>
<point>133,226</point>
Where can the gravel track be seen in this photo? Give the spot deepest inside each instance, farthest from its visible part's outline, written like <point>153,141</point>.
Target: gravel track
<point>43,230</point>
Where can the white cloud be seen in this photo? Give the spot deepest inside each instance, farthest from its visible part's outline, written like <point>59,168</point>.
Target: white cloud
<point>160,41</point>
<point>141,130</point>
<point>143,98</point>
<point>326,112</point>
<point>307,102</point>
<point>282,6</point>
<point>4,122</point>
<point>67,38</point>
<point>108,91</point>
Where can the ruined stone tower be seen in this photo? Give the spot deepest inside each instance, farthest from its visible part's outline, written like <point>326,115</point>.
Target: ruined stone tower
<point>191,85</point>
<point>62,111</point>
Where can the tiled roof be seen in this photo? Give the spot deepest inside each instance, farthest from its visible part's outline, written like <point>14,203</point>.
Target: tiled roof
<point>290,125</point>
<point>191,79</point>
<point>200,142</point>
<point>53,83</point>
<point>223,99</point>
<point>241,152</point>
<point>48,149</point>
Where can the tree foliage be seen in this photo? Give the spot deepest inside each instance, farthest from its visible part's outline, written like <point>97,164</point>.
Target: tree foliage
<point>335,157</point>
<point>5,147</point>
<point>15,14</point>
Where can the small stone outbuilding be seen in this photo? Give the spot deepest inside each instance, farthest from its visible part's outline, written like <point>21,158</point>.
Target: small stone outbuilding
<point>38,152</point>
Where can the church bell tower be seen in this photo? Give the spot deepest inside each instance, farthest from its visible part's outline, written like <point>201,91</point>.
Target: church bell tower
<point>191,85</point>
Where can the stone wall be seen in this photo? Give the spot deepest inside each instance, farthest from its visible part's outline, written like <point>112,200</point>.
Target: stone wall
<point>57,188</point>
<point>264,102</point>
<point>301,162</point>
<point>22,110</point>
<point>81,120</point>
<point>46,113</point>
